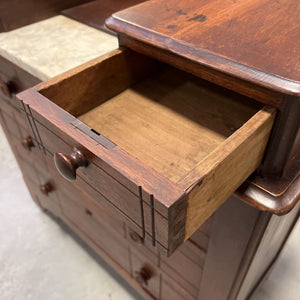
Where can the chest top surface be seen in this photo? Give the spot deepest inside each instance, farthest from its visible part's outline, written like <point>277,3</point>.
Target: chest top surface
<point>254,40</point>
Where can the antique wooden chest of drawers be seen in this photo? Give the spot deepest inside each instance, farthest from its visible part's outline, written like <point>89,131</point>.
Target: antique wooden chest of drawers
<point>149,153</point>
<point>158,189</point>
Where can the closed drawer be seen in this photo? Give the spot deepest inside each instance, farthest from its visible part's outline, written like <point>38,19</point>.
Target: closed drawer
<point>28,148</point>
<point>150,272</point>
<point>44,194</point>
<point>82,198</point>
<point>181,268</point>
<point>170,289</point>
<point>184,267</point>
<point>146,273</point>
<point>165,147</point>
<point>10,118</point>
<point>91,221</point>
<point>13,79</point>
<point>99,183</point>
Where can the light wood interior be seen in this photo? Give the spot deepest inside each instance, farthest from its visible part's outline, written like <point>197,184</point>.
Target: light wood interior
<point>170,121</point>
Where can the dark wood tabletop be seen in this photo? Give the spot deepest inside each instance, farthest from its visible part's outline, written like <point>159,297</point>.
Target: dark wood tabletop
<point>253,40</point>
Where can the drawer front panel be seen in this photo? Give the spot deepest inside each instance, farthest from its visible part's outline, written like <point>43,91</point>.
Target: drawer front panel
<point>172,189</point>
<point>109,191</point>
<point>183,270</point>
<point>28,169</point>
<point>103,202</point>
<point>94,176</point>
<point>82,198</point>
<point>146,274</point>
<point>31,160</point>
<point>49,201</point>
<point>172,290</point>
<point>85,216</point>
<point>10,108</point>
<point>10,121</point>
<point>78,204</point>
<point>184,266</point>
<point>18,131</point>
<point>161,282</point>
<point>13,80</point>
<point>34,155</point>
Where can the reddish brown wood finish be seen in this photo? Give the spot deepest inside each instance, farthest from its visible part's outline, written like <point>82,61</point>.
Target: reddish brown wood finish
<point>145,273</point>
<point>267,241</point>
<point>18,79</point>
<point>223,258</point>
<point>254,68</point>
<point>233,37</point>
<point>157,204</point>
<point>231,44</point>
<point>4,89</point>
<point>278,204</point>
<point>14,14</point>
<point>222,251</point>
<point>104,233</point>
<point>84,214</point>
<point>14,79</point>
<point>68,164</point>
<point>97,225</point>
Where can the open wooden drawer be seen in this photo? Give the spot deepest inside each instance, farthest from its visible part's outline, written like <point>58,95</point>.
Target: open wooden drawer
<point>177,146</point>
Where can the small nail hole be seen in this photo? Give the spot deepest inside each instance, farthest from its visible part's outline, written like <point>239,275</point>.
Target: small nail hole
<point>88,212</point>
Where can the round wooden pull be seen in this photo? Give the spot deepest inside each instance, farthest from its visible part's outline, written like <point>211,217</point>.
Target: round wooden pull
<point>68,164</point>
<point>143,276</point>
<point>28,143</point>
<point>4,89</point>
<point>46,188</point>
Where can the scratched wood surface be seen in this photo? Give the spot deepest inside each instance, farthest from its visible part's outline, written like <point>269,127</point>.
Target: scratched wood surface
<point>256,40</point>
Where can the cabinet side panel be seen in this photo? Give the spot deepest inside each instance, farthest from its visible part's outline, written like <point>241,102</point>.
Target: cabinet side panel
<point>271,244</point>
<point>231,230</point>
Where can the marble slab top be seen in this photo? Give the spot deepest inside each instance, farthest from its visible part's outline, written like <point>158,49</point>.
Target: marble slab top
<point>53,46</point>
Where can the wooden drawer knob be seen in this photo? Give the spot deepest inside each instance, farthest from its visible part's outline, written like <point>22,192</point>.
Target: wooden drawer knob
<point>28,143</point>
<point>46,188</point>
<point>4,89</point>
<point>68,164</point>
<point>143,276</point>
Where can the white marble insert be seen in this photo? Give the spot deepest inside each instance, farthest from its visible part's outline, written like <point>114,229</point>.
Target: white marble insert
<point>53,46</point>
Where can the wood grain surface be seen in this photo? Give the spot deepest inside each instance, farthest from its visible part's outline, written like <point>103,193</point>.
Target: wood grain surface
<point>210,255</point>
<point>207,157</point>
<point>173,116</point>
<point>254,40</point>
<point>227,168</point>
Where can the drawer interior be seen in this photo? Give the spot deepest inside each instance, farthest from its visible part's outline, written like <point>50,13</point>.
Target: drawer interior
<point>168,119</point>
